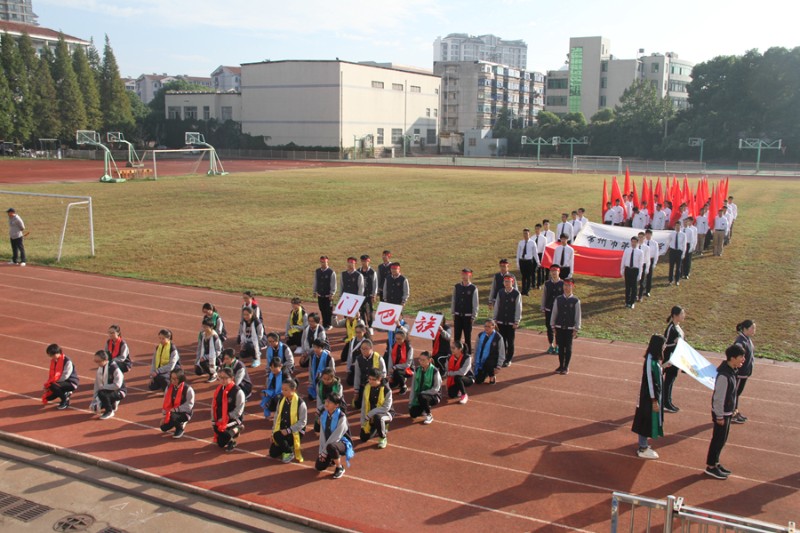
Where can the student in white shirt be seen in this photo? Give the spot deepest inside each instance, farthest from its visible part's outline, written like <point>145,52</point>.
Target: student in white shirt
<point>576,224</point>
<point>564,227</point>
<point>691,243</point>
<point>639,220</point>
<point>631,269</point>
<point>659,219</point>
<point>564,256</point>
<point>654,252</point>
<point>527,260</point>
<point>720,230</point>
<point>701,223</point>
<point>677,251</point>
<point>645,248</point>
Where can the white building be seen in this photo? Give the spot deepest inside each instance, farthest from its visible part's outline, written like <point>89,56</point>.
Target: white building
<point>18,11</point>
<point>463,47</point>
<point>226,79</point>
<point>474,92</point>
<point>42,37</point>
<point>147,85</point>
<point>339,103</point>
<point>204,105</point>
<point>594,79</point>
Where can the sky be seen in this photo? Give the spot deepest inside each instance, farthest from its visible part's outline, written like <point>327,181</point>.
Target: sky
<point>195,37</point>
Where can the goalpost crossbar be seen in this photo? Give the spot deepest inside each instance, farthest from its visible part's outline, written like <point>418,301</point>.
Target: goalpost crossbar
<point>194,151</point>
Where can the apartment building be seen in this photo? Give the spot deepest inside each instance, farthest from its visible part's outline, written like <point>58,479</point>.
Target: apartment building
<point>464,47</point>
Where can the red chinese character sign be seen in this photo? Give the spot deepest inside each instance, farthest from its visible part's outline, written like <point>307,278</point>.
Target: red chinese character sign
<point>386,316</point>
<point>348,305</point>
<point>426,325</point>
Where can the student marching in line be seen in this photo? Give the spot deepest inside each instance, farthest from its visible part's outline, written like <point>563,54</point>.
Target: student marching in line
<point>459,373</point>
<point>566,320</point>
<point>178,404</point>
<point>335,441</point>
<point>62,380</point>
<point>723,409</point>
<point>648,420</point>
<point>672,334</point>
<point>289,427</point>
<point>376,408</point>
<point>209,351</point>
<point>426,387</point>
<point>109,386</point>
<point>165,360</point>
<point>553,288</point>
<point>746,330</point>
<point>227,410</point>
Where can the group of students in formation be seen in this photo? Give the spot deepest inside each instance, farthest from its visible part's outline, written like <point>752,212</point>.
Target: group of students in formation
<point>658,378</point>
<point>693,236</point>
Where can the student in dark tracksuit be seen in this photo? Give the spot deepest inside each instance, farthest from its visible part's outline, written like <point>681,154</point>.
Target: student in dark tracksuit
<point>553,288</point>
<point>566,320</point>
<point>324,289</point>
<point>464,308</point>
<point>335,441</point>
<point>723,409</point>
<point>672,333</point>
<point>459,374</point>
<point>62,380</point>
<point>507,314</point>
<point>746,330</point>
<point>490,352</point>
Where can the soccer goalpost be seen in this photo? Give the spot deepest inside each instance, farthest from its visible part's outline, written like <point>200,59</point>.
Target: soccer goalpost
<point>187,161</point>
<point>597,163</point>
<point>44,214</point>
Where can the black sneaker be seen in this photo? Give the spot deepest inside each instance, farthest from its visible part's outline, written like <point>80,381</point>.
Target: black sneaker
<point>715,472</point>
<point>671,409</point>
<point>230,446</point>
<point>179,431</point>
<point>724,470</point>
<point>738,419</point>
<point>63,405</point>
<point>339,472</point>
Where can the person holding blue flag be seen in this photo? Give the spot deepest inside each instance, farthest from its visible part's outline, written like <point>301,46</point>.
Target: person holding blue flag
<point>335,441</point>
<point>320,360</point>
<point>489,354</point>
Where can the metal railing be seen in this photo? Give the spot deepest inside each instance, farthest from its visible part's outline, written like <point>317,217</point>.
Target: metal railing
<point>675,516</point>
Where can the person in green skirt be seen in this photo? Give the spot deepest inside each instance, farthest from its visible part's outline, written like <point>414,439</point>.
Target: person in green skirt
<point>648,421</point>
<point>426,389</point>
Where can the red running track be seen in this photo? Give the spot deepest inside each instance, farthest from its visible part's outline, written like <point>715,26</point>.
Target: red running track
<point>536,452</point>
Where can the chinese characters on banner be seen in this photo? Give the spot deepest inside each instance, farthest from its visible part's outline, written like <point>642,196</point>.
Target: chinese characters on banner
<point>426,325</point>
<point>348,305</point>
<point>386,316</point>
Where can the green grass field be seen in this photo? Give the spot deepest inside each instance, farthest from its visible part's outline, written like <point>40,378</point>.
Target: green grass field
<point>265,232</point>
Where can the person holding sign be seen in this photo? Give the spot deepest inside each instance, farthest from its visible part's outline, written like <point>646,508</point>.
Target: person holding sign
<point>565,257</point>
<point>648,420</point>
<point>425,389</point>
<point>16,232</point>
<point>723,409</point>
<point>672,334</point>
<point>464,307</point>
<point>370,290</point>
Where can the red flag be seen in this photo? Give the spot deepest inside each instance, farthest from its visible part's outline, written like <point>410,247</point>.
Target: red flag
<point>692,206</point>
<point>627,181</point>
<point>667,193</point>
<point>686,192</point>
<point>615,193</point>
<point>727,182</point>
<point>659,197</point>
<point>713,208</point>
<point>635,197</point>
<point>605,199</point>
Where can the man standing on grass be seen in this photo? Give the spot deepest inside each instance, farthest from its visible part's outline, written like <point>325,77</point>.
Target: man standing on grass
<point>701,223</point>
<point>691,243</point>
<point>565,228</point>
<point>720,230</point>
<point>631,268</point>
<point>677,251</point>
<point>16,231</point>
<point>324,289</point>
<point>527,257</point>
<point>565,257</point>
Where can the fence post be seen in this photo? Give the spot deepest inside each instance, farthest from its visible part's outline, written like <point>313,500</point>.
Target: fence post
<point>614,512</point>
<point>668,514</point>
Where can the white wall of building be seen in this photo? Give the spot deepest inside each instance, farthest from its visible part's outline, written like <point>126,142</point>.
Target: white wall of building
<point>204,106</point>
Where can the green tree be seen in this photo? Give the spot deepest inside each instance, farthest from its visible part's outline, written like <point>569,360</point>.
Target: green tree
<point>93,56</point>
<point>6,110</point>
<point>155,126</point>
<point>640,118</point>
<point>114,101</point>
<point>46,117</point>
<point>17,82</point>
<point>70,102</point>
<point>88,83</point>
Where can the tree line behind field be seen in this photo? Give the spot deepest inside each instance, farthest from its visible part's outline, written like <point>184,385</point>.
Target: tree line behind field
<point>730,97</point>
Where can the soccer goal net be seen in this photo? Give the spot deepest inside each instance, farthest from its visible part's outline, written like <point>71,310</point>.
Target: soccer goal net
<point>596,163</point>
<point>57,226</point>
<point>181,162</point>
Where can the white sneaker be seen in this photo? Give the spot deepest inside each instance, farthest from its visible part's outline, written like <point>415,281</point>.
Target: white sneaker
<point>22,264</point>
<point>647,453</point>
<point>428,420</point>
<point>464,399</point>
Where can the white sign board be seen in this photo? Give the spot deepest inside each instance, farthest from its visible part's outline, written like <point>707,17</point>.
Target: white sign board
<point>348,305</point>
<point>607,237</point>
<point>386,316</point>
<point>426,325</point>
<point>690,361</point>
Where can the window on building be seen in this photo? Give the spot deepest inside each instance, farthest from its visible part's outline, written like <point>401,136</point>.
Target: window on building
<point>427,111</point>
<point>436,90</point>
<point>430,138</point>
<point>379,137</point>
<point>397,135</point>
<point>397,86</point>
<point>603,82</point>
<point>206,112</point>
<point>557,83</point>
<point>416,131</point>
<point>604,66</point>
<point>189,112</point>
<point>473,141</point>
<point>556,101</point>
<point>226,113</point>
<point>602,101</point>
<point>415,89</point>
<point>435,112</point>
<point>377,85</point>
<point>174,113</point>
<point>654,68</point>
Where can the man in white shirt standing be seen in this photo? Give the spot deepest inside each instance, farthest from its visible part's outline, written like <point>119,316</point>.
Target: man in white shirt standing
<point>654,252</point>
<point>645,273</point>
<point>564,256</point>
<point>659,219</point>
<point>628,205</point>
<point>582,216</point>
<point>526,259</point>
<point>639,220</point>
<point>576,224</point>
<point>540,241</point>
<point>734,211</point>
<point>691,243</point>
<point>677,251</point>
<point>619,213</point>
<point>701,224</point>
<point>720,230</point>
<point>631,269</point>
<point>565,228</point>
<point>16,232</point>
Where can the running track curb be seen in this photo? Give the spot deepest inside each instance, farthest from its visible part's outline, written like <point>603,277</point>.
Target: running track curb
<point>143,475</point>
